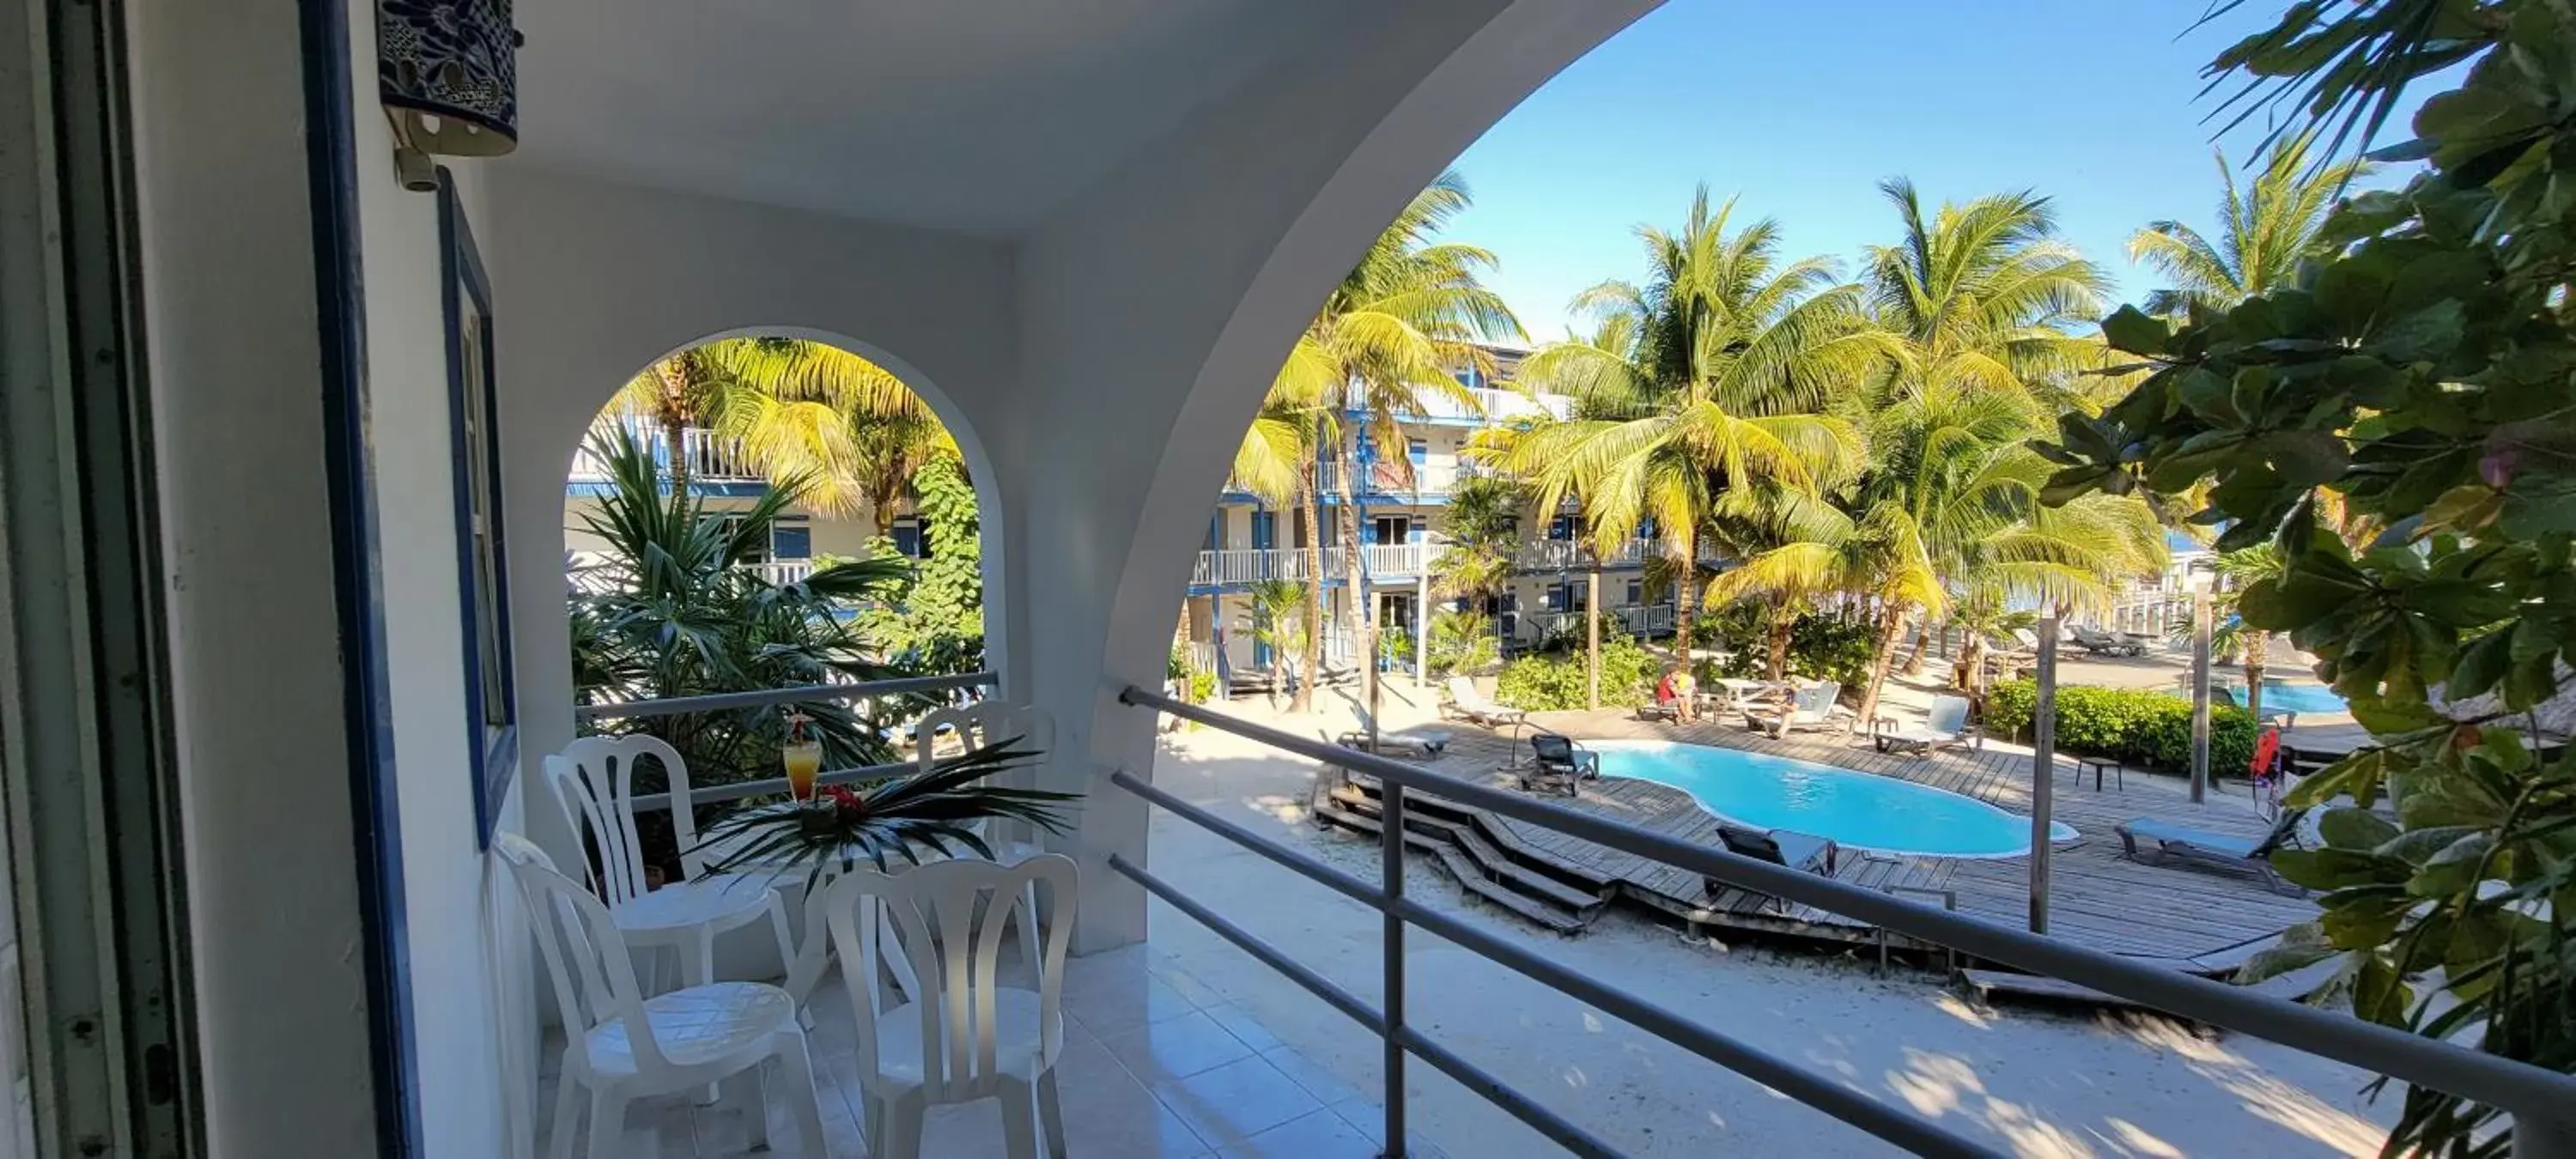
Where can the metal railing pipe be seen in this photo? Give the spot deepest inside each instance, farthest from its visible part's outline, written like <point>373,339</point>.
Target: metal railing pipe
<point>713,794</point>
<point>2513,1086</point>
<point>758,698</point>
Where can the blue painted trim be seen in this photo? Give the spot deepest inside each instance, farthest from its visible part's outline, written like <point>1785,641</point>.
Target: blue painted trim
<point>463,283</point>
<point>366,696</point>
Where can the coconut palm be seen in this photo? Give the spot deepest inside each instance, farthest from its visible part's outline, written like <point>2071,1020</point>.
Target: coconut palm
<point>1388,338</point>
<point>885,435</point>
<point>1702,392</point>
<point>1986,296</point>
<point>2265,230</point>
<point>1277,619</point>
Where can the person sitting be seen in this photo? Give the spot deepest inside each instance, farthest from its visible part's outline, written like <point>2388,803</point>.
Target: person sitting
<point>1677,688</point>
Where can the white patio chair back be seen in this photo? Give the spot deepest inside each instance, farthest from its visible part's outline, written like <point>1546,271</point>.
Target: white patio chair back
<point>948,919</point>
<point>1949,714</point>
<point>988,722</point>
<point>585,955</point>
<point>594,781</point>
<point>1816,700</point>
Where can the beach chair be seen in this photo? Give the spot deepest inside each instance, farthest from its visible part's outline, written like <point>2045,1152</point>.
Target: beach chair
<point>1665,706</point>
<point>1947,726</point>
<point>2184,843</point>
<point>1810,708</point>
<point>2101,643</point>
<point>1467,704</point>
<point>1798,851</point>
<point>1558,765</point>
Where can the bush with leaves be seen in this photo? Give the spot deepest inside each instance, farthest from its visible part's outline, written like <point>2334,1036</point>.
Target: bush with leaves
<point>2138,727</point>
<point>1463,642</point>
<point>676,614</point>
<point>2414,395</point>
<point>1553,681</point>
<point>932,622</point>
<point>1821,647</point>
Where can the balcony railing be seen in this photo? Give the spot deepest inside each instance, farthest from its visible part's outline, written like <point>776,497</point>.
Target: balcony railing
<point>2539,1099</point>
<point>782,571</point>
<point>1635,620</point>
<point>1495,407</point>
<point>1386,482</point>
<point>775,698</point>
<point>709,457</point>
<point>1247,565</point>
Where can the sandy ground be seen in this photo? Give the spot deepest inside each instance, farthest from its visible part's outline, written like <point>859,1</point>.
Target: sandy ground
<point>2028,1082</point>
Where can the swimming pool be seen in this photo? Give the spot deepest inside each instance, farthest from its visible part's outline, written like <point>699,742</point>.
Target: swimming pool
<point>2284,696</point>
<point>1881,814</point>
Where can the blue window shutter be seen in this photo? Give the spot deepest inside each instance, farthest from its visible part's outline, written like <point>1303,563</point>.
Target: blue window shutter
<point>791,541</point>
<point>907,538</point>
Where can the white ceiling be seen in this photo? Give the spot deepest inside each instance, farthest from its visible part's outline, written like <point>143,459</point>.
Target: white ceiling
<point>957,114</point>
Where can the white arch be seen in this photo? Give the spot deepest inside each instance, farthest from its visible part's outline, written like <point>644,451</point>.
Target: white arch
<point>989,515</point>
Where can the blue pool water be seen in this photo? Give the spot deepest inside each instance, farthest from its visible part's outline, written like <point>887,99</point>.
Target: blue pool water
<point>2291,697</point>
<point>1881,814</point>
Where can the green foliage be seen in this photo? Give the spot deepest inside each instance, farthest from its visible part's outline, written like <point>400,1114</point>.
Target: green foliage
<point>844,824</point>
<point>933,621</point>
<point>1556,681</point>
<point>677,615</point>
<point>2419,379</point>
<point>1463,642</point>
<point>2136,726</point>
<point>1821,647</point>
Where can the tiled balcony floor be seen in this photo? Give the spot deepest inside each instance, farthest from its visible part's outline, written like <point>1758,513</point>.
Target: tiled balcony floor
<point>1156,1066</point>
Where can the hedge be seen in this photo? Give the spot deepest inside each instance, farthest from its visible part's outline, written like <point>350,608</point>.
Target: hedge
<point>2139,727</point>
<point>1549,682</point>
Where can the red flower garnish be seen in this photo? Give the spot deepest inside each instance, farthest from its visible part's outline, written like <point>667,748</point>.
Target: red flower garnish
<point>847,801</point>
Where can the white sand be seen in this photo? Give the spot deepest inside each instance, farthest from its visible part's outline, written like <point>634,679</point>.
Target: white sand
<point>2028,1082</point>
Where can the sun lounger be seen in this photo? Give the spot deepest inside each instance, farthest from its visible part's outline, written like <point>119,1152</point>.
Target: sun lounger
<point>1469,705</point>
<point>1426,745</point>
<point>1810,708</point>
<point>2184,843</point>
<point>1558,765</point>
<point>1945,727</point>
<point>2100,643</point>
<point>1799,851</point>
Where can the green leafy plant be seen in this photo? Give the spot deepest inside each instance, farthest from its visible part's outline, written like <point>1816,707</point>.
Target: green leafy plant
<point>932,620</point>
<point>674,613</point>
<point>2419,378</point>
<point>2138,727</point>
<point>1550,682</point>
<point>844,824</point>
<point>1463,642</point>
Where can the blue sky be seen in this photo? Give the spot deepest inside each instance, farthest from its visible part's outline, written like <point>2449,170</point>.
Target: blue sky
<point>1801,108</point>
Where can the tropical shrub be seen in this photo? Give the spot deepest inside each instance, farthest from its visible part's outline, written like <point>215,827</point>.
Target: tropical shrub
<point>2397,425</point>
<point>1463,642</point>
<point>1552,681</point>
<point>932,620</point>
<point>1821,647</point>
<point>2134,726</point>
<point>675,614</point>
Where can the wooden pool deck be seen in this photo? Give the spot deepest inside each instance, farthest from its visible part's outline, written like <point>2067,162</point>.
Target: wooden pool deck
<point>2189,915</point>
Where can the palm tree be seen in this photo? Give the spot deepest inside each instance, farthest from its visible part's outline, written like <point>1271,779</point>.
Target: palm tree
<point>885,435</point>
<point>2229,634</point>
<point>1276,464</point>
<point>1701,393</point>
<point>1390,335</point>
<point>1484,541</point>
<point>1277,619</point>
<point>1987,297</point>
<point>2264,231</point>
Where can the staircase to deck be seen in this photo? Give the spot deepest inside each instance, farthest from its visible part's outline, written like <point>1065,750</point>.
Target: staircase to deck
<point>1485,858</point>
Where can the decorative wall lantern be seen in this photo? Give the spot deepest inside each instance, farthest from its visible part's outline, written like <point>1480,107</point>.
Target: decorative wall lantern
<point>447,71</point>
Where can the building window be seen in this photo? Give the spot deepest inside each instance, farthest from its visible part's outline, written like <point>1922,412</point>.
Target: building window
<point>1393,529</point>
<point>792,537</point>
<point>1561,528</point>
<point>908,539</point>
<point>483,596</point>
<point>1636,593</point>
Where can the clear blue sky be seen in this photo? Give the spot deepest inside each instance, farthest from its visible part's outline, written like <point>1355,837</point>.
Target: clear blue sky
<point>1801,108</point>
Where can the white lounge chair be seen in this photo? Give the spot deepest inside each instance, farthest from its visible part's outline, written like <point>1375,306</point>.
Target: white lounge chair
<point>1945,727</point>
<point>1472,706</point>
<point>1809,708</point>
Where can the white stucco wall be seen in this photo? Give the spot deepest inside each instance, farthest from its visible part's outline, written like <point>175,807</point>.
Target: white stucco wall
<point>228,300</point>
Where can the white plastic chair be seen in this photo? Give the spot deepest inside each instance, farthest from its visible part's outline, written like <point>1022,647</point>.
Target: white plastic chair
<point>624,1046</point>
<point>988,722</point>
<point>962,1036</point>
<point>594,781</point>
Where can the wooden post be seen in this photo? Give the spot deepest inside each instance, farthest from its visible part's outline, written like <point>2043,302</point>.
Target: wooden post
<point>2200,626</point>
<point>1422,625</point>
<point>1592,638</point>
<point>2043,772</point>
